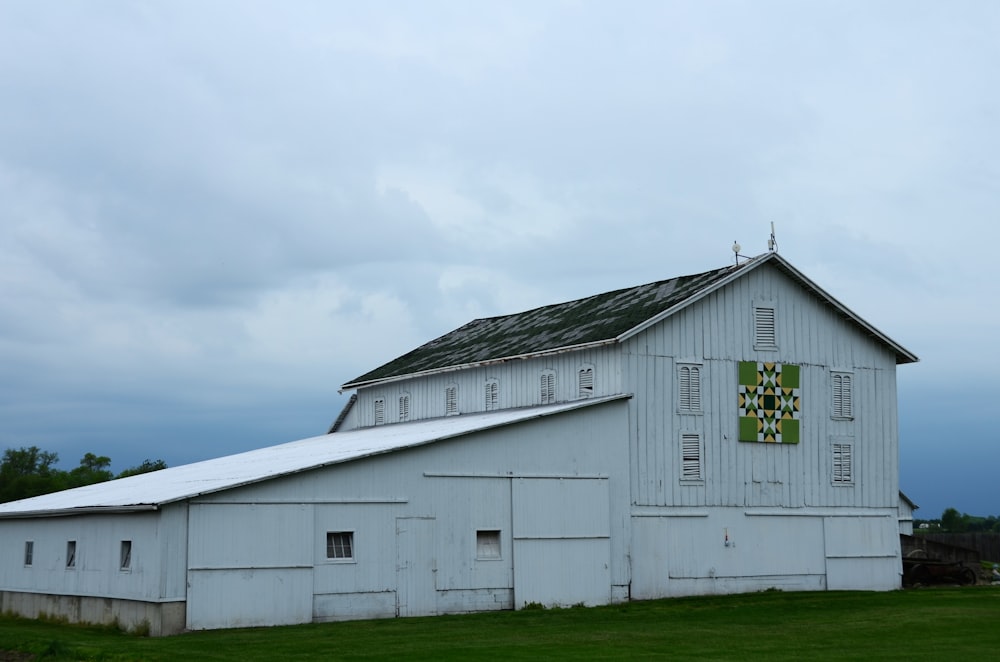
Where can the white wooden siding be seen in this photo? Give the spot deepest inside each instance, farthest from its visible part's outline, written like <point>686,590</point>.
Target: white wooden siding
<point>719,332</point>
<point>463,485</point>
<point>518,385</point>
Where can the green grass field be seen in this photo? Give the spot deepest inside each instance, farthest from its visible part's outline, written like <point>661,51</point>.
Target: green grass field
<point>923,624</point>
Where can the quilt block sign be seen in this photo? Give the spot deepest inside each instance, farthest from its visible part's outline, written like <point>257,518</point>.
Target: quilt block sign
<point>769,402</point>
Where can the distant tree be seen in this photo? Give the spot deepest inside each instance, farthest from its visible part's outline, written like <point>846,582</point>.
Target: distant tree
<point>145,467</point>
<point>952,521</point>
<point>28,472</point>
<point>92,469</point>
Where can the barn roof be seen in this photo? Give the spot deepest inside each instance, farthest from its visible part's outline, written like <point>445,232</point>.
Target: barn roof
<point>596,320</point>
<point>152,490</point>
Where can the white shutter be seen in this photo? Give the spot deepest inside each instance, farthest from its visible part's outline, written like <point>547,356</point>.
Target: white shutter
<point>843,406</point>
<point>404,407</point>
<point>847,403</point>
<point>764,326</point>
<point>690,457</point>
<point>451,400</point>
<point>492,395</point>
<point>379,411</point>
<point>689,388</point>
<point>843,469</point>
<point>586,382</point>
<point>548,388</point>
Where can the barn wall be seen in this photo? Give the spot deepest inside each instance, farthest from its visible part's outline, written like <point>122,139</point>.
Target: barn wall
<point>518,383</point>
<point>151,591</point>
<point>733,550</point>
<point>414,516</point>
<point>717,333</point>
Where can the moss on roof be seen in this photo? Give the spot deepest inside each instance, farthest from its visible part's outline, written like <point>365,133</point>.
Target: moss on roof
<point>596,318</point>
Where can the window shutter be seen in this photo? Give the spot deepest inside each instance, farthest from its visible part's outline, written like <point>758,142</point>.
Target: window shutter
<point>586,382</point>
<point>548,387</point>
<point>764,326</point>
<point>404,407</point>
<point>842,398</point>
<point>379,411</point>
<point>690,457</point>
<point>843,464</point>
<point>451,400</point>
<point>847,406</point>
<point>689,388</point>
<point>492,395</point>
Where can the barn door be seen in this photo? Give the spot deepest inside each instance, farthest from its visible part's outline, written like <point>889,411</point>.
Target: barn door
<point>416,593</point>
<point>562,541</point>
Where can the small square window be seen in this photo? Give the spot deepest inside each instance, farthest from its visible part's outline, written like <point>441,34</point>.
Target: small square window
<point>126,555</point>
<point>29,552</point>
<point>71,554</point>
<point>488,545</point>
<point>340,545</point>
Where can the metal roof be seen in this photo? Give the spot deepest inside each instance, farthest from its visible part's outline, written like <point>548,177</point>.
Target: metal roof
<point>597,320</point>
<point>151,490</point>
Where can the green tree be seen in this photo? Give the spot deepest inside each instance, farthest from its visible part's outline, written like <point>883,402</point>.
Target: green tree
<point>952,521</point>
<point>145,467</point>
<point>92,469</point>
<point>28,472</point>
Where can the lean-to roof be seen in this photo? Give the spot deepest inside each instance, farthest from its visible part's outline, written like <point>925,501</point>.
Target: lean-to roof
<point>152,490</point>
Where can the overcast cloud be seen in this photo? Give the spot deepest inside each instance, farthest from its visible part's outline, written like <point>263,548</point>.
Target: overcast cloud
<point>212,214</point>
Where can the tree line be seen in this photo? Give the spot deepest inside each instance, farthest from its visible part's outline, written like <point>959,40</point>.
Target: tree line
<point>953,521</point>
<point>28,472</point>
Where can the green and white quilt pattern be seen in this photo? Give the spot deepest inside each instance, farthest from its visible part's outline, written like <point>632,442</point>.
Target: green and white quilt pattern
<point>769,402</point>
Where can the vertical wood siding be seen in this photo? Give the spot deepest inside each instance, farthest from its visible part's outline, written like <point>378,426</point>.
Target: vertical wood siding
<point>519,386</point>
<point>718,332</point>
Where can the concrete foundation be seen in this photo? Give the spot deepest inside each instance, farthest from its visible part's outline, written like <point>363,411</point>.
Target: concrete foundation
<point>160,618</point>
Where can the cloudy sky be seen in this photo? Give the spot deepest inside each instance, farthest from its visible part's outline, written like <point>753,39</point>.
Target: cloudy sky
<point>213,213</point>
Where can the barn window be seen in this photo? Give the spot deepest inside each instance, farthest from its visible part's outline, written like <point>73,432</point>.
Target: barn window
<point>492,394</point>
<point>689,388</point>
<point>763,322</point>
<point>125,556</point>
<point>487,545</point>
<point>691,457</point>
<point>586,381</point>
<point>404,407</point>
<point>71,554</point>
<point>547,387</point>
<point>340,545</point>
<point>451,400</point>
<point>843,398</point>
<point>29,552</point>
<point>843,464</point>
<point>379,411</point>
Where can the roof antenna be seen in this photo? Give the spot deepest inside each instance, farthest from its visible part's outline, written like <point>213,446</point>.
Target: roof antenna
<point>736,252</point>
<point>772,243</point>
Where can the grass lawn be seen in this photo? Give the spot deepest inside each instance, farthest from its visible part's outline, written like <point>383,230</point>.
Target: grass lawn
<point>923,624</point>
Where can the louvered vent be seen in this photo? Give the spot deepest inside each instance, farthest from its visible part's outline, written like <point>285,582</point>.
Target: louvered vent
<point>404,407</point>
<point>764,326</point>
<point>451,401</point>
<point>379,411</point>
<point>690,457</point>
<point>548,388</point>
<point>689,388</point>
<point>843,469</point>
<point>492,395</point>
<point>843,406</point>
<point>586,382</point>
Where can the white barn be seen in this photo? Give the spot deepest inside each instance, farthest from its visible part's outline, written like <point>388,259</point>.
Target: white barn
<point>729,431</point>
